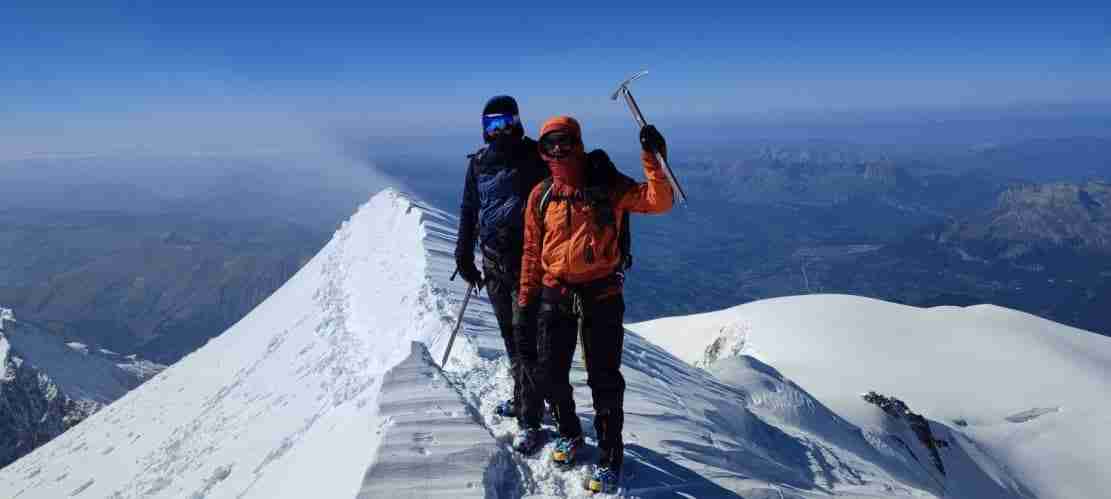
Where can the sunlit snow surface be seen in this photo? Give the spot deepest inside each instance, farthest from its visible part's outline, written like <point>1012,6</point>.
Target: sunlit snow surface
<point>286,404</point>
<point>1032,394</point>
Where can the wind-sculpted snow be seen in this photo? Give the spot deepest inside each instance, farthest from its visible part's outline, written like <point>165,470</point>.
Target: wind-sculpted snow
<point>983,376</point>
<point>433,444</point>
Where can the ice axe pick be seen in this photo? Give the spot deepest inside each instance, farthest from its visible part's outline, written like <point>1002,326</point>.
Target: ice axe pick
<point>623,91</point>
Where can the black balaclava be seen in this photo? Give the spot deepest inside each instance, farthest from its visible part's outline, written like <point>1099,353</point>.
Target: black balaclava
<point>503,104</point>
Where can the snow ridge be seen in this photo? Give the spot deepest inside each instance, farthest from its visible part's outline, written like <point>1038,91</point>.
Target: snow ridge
<point>284,403</point>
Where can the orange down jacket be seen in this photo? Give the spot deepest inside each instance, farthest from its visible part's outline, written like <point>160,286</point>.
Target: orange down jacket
<point>563,259</point>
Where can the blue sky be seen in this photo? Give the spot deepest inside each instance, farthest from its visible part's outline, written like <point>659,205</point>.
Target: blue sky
<point>135,72</point>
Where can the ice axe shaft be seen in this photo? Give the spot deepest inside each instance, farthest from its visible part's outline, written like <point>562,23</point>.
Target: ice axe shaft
<point>458,324</point>
<point>623,91</point>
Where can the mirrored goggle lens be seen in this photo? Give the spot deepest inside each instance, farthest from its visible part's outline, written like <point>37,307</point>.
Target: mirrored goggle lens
<point>551,140</point>
<point>498,122</point>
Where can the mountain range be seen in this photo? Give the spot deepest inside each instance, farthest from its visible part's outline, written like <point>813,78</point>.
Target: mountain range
<point>1041,248</point>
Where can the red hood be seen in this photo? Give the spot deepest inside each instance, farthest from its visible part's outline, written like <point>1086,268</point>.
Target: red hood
<point>567,170</point>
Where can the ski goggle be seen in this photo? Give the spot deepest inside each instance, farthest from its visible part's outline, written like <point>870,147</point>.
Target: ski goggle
<point>563,140</point>
<point>499,123</point>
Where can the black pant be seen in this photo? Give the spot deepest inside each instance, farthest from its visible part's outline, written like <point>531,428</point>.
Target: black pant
<point>603,335</point>
<point>501,287</point>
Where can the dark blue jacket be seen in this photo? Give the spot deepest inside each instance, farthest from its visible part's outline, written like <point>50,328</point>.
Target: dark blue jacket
<point>497,188</point>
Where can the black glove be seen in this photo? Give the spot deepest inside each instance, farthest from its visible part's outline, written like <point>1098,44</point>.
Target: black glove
<point>469,272</point>
<point>651,140</point>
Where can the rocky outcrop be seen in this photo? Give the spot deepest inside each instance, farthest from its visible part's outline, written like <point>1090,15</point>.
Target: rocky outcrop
<point>6,315</point>
<point>47,386</point>
<point>897,409</point>
<point>33,408</point>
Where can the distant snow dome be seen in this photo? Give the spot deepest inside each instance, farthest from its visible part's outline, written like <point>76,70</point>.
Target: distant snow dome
<point>1023,391</point>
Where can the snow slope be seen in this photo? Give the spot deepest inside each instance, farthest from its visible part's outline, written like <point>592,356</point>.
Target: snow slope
<point>298,399</point>
<point>46,387</point>
<point>283,404</point>
<point>80,375</point>
<point>689,433</point>
<point>1027,393</point>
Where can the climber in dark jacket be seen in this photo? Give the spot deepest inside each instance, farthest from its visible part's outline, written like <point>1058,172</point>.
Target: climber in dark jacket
<point>500,177</point>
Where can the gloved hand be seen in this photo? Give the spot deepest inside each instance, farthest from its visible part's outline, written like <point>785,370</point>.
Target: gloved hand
<point>469,272</point>
<point>651,140</point>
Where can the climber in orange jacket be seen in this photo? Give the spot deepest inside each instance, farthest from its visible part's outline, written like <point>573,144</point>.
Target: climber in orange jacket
<point>571,281</point>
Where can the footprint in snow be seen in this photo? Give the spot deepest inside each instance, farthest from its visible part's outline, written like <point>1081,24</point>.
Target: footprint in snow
<point>423,437</point>
<point>83,487</point>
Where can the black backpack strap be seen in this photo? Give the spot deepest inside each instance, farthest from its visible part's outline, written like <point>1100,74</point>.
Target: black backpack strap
<point>606,179</point>
<point>625,243</point>
<point>473,159</point>
<point>545,198</point>
<point>609,180</point>
<point>475,156</point>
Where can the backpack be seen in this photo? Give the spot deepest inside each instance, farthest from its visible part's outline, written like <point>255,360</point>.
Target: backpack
<point>503,182</point>
<point>602,178</point>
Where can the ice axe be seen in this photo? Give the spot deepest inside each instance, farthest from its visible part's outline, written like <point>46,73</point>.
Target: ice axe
<point>458,322</point>
<point>623,91</point>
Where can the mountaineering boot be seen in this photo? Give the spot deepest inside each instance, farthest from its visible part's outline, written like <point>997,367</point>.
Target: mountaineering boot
<point>603,480</point>
<point>527,441</point>
<point>565,448</point>
<point>506,409</point>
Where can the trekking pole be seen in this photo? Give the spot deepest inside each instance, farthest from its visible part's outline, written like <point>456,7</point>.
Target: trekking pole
<point>458,324</point>
<point>623,91</point>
